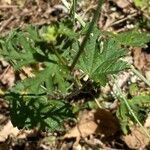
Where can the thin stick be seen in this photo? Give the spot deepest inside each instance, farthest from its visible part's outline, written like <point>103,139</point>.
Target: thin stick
<point>123,19</point>
<point>8,6</point>
<point>5,71</point>
<point>97,102</point>
<point>6,23</point>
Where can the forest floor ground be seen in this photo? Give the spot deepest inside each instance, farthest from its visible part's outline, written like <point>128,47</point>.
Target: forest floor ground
<point>116,16</point>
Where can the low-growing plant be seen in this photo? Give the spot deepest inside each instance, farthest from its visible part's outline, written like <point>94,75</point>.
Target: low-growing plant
<point>140,105</point>
<point>43,100</point>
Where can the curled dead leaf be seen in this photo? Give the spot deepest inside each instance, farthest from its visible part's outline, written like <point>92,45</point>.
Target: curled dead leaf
<point>82,130</point>
<point>103,123</point>
<point>8,76</point>
<point>141,59</point>
<point>8,130</point>
<point>85,127</point>
<point>26,72</point>
<point>137,139</point>
<point>107,123</point>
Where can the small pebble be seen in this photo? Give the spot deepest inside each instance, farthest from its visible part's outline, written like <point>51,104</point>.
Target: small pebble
<point>133,79</point>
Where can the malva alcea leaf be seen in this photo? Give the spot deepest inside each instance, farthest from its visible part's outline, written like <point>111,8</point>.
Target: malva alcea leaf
<point>98,62</point>
<point>132,38</point>
<point>38,111</point>
<point>52,78</point>
<point>19,49</point>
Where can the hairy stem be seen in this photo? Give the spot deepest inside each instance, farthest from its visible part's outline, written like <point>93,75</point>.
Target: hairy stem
<point>60,58</point>
<point>74,10</point>
<point>90,29</point>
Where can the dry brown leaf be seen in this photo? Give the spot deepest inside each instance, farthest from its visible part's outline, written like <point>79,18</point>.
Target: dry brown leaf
<point>26,72</point>
<point>138,57</point>
<point>82,130</point>
<point>3,119</point>
<point>8,129</point>
<point>141,59</point>
<point>8,76</point>
<point>137,139</point>
<point>110,19</point>
<point>3,62</point>
<point>147,60</point>
<point>86,116</point>
<point>107,124</point>
<point>122,3</point>
<point>100,122</point>
<point>24,133</point>
<point>85,127</point>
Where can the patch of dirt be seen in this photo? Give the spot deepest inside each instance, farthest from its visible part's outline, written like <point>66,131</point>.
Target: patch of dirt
<point>95,129</point>
<point>40,12</point>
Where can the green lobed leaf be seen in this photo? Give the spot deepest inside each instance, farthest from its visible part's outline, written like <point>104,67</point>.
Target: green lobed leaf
<point>20,49</point>
<point>132,38</point>
<point>52,79</point>
<point>38,111</point>
<point>98,62</point>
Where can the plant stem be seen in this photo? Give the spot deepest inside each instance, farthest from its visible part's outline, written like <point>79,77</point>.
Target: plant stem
<point>90,29</point>
<point>136,72</point>
<point>74,10</point>
<point>121,96</point>
<point>98,104</point>
<point>62,61</point>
